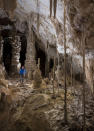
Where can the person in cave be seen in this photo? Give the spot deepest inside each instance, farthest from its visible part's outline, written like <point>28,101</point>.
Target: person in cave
<point>22,73</point>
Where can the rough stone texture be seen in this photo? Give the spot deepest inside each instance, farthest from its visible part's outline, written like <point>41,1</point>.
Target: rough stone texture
<point>8,5</point>
<point>30,56</point>
<point>16,47</point>
<point>79,14</point>
<point>37,78</point>
<point>50,31</point>
<point>35,22</point>
<point>33,16</point>
<point>2,72</point>
<point>28,109</point>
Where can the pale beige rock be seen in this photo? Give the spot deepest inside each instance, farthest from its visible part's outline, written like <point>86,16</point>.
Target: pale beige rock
<point>9,5</point>
<point>4,82</point>
<point>37,78</point>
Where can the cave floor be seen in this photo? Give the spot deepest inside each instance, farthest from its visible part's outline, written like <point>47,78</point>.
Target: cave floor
<point>31,109</point>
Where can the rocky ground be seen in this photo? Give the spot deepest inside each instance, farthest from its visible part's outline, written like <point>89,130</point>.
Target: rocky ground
<point>25,108</point>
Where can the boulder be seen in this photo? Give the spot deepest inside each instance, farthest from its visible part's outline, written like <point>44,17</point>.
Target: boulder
<point>31,118</point>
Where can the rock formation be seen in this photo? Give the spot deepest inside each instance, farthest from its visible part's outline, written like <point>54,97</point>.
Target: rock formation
<point>33,30</point>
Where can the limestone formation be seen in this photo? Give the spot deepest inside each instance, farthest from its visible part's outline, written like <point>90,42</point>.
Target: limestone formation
<point>16,44</point>
<point>51,39</point>
<point>37,78</point>
<point>8,5</point>
<point>2,72</point>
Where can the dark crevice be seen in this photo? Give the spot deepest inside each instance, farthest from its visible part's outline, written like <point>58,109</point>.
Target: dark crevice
<point>23,50</point>
<point>51,64</point>
<point>7,54</point>
<point>40,54</point>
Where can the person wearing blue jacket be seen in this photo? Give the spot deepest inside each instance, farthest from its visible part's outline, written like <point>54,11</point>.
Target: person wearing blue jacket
<point>22,73</point>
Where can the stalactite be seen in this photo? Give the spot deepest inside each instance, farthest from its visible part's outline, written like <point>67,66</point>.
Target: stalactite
<point>50,8</point>
<point>55,7</point>
<point>65,95</point>
<point>84,103</point>
<point>71,72</point>
<point>38,17</point>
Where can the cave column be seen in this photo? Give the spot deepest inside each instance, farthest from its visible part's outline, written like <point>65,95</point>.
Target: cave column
<point>16,47</point>
<point>47,61</point>
<point>0,49</point>
<point>47,66</point>
<point>30,55</point>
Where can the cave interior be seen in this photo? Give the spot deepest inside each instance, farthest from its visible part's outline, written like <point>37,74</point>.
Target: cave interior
<point>7,50</point>
<point>40,54</point>
<point>22,59</point>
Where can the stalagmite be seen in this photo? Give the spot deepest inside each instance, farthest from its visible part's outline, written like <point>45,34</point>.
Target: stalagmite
<point>84,90</point>
<point>38,16</point>
<point>65,95</point>
<point>38,63</point>
<point>37,78</point>
<point>58,75</point>
<point>71,72</point>
<point>93,78</point>
<point>53,79</point>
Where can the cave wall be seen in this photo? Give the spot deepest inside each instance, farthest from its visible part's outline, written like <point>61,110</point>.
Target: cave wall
<point>8,5</point>
<point>7,30</point>
<point>81,14</point>
<point>34,16</point>
<point>49,30</point>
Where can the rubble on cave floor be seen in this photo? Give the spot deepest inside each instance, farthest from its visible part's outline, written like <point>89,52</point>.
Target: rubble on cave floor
<point>30,108</point>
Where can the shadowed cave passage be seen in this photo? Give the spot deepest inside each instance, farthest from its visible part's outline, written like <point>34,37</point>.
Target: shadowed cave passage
<point>7,54</point>
<point>40,54</point>
<point>51,64</point>
<point>7,51</point>
<point>23,50</point>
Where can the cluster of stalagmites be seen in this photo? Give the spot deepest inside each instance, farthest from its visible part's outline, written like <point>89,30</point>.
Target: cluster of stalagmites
<point>41,107</point>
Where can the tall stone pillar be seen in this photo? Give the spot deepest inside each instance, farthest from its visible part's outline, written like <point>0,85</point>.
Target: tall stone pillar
<point>47,61</point>
<point>16,47</point>
<point>47,66</point>
<point>0,49</point>
<point>30,56</point>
